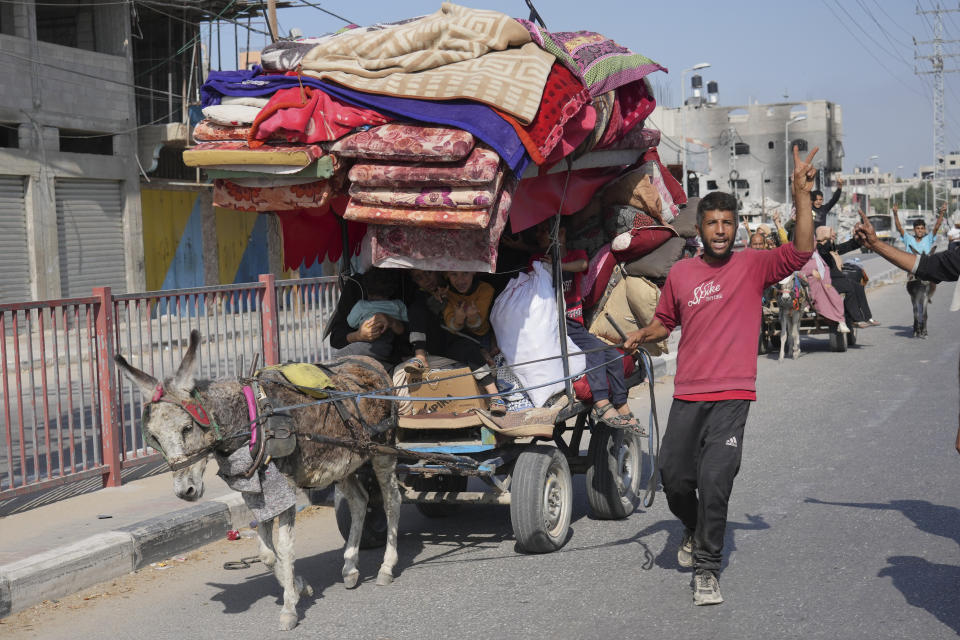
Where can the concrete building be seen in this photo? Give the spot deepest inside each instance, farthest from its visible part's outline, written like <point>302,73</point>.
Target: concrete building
<point>96,105</point>
<point>69,183</point>
<point>747,149</point>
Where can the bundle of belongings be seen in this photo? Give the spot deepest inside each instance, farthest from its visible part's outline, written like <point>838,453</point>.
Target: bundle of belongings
<point>427,137</point>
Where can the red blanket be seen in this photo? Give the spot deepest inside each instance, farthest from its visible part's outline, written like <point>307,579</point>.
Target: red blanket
<point>563,97</point>
<point>309,115</point>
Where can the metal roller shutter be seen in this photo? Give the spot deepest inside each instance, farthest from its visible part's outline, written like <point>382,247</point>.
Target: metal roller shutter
<point>14,259</point>
<point>90,232</point>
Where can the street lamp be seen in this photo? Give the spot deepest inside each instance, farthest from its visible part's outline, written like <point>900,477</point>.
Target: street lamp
<point>786,160</point>
<point>866,182</point>
<point>683,117</point>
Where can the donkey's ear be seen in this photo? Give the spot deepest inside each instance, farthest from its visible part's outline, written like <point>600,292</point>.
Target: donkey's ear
<point>186,374</point>
<point>144,381</point>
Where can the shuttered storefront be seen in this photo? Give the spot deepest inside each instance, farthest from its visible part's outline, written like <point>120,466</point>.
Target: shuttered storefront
<point>90,233</point>
<point>14,259</point>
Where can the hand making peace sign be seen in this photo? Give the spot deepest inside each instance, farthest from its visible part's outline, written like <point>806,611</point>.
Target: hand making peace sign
<point>804,175</point>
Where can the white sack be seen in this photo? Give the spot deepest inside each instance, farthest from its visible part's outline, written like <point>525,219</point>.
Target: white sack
<point>524,318</point>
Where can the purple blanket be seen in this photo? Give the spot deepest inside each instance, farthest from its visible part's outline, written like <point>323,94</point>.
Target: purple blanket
<point>478,119</point>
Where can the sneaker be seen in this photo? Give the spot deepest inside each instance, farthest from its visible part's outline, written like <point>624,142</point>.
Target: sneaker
<point>706,588</point>
<point>843,328</point>
<point>685,552</point>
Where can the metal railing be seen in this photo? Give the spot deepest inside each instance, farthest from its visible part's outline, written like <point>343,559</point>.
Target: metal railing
<point>67,413</point>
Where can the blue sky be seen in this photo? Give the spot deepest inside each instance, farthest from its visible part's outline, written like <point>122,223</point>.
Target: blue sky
<point>858,53</point>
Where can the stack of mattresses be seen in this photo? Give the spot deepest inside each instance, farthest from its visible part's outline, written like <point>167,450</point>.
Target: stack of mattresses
<point>415,134</point>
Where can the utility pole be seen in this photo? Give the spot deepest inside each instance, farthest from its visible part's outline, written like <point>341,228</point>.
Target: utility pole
<point>734,174</point>
<point>941,189</point>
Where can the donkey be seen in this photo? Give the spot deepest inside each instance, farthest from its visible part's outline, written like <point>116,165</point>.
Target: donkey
<point>179,422</point>
<point>791,299</point>
<point>919,291</point>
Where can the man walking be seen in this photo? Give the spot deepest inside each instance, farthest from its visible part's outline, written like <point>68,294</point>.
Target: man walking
<point>715,299</point>
<point>920,243</point>
<point>937,267</point>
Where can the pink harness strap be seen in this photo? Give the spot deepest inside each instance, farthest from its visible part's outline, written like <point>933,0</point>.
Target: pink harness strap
<point>252,410</point>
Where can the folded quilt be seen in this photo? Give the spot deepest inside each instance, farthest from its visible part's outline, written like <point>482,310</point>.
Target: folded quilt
<point>239,153</point>
<point>601,63</point>
<point>286,55</point>
<point>479,168</point>
<point>446,218</point>
<point>472,197</point>
<point>441,250</point>
<point>230,195</point>
<point>455,52</point>
<point>634,103</point>
<point>209,131</point>
<point>305,114</point>
<point>563,97</point>
<point>406,142</point>
<point>479,119</point>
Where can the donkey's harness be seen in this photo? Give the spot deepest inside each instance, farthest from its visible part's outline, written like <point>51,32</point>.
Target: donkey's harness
<point>273,435</point>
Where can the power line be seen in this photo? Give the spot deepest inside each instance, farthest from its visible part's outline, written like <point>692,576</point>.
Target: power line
<point>867,49</point>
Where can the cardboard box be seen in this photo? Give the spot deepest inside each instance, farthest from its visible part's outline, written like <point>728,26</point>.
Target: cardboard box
<point>446,383</point>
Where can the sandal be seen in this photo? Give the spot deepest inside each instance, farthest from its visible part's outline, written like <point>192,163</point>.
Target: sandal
<point>416,366</point>
<point>614,422</point>
<point>634,425</point>
<point>497,406</point>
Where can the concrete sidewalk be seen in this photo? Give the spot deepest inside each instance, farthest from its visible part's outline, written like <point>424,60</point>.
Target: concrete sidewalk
<point>67,545</point>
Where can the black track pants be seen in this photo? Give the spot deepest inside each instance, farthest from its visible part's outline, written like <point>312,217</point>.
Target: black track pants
<point>699,459</point>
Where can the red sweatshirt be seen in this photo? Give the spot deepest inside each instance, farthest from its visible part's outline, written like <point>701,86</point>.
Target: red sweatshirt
<point>718,308</point>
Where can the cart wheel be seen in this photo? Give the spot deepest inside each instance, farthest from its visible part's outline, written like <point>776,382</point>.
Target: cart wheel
<point>614,474</point>
<point>374,523</point>
<point>838,341</point>
<point>439,483</point>
<point>541,499</point>
<point>762,344</point>
<point>852,337</point>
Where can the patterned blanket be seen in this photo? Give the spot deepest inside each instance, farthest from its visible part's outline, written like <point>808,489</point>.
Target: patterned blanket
<point>456,52</point>
<point>601,63</point>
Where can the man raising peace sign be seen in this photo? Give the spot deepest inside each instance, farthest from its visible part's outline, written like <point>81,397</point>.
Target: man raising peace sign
<point>715,299</point>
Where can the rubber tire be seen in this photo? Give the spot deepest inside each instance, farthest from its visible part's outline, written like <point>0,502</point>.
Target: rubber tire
<point>852,337</point>
<point>838,342</point>
<point>439,483</point>
<point>614,478</point>
<point>541,499</point>
<point>374,523</point>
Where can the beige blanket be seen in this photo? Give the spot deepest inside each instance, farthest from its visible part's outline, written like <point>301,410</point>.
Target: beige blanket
<point>454,53</point>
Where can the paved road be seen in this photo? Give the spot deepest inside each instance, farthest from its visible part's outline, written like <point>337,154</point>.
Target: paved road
<point>845,523</point>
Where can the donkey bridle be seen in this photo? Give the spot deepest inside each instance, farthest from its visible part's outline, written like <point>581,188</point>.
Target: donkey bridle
<point>197,413</point>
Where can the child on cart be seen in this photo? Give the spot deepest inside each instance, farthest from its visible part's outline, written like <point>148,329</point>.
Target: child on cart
<point>382,304</point>
<point>467,310</point>
<point>604,368</point>
<point>435,331</point>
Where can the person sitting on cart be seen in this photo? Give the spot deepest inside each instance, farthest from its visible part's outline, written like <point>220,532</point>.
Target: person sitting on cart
<point>604,368</point>
<point>826,299</point>
<point>468,309</point>
<point>380,306</point>
<point>857,310</point>
<point>378,336</point>
<point>435,345</point>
